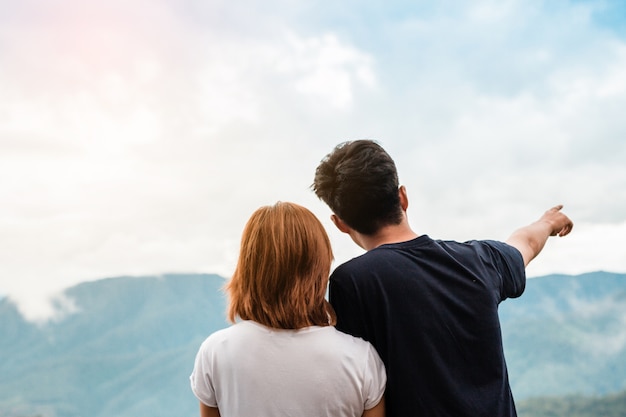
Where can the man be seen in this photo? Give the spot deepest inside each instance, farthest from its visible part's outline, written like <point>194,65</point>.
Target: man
<point>429,307</point>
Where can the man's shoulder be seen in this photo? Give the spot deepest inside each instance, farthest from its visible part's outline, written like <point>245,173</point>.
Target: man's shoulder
<point>421,251</point>
<point>381,260</point>
<point>475,245</point>
<point>495,247</point>
<point>386,252</point>
<point>362,262</point>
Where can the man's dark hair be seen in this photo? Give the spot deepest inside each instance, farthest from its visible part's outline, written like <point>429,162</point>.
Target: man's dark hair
<point>359,182</point>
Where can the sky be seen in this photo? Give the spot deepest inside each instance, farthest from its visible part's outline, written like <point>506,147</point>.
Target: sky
<point>137,137</point>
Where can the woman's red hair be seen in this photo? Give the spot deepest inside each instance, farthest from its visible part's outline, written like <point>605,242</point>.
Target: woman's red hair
<point>282,273</point>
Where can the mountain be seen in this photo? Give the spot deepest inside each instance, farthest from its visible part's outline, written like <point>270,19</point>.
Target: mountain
<point>128,349</point>
<point>567,335</point>
<point>574,406</point>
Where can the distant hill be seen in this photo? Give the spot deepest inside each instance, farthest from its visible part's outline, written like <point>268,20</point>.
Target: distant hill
<point>129,348</point>
<point>127,352</point>
<point>567,335</point>
<point>613,405</point>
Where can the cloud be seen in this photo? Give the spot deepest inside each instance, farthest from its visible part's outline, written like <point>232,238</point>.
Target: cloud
<point>611,339</point>
<point>137,137</point>
<point>141,146</point>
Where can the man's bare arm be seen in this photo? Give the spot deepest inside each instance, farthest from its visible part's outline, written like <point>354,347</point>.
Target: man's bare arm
<point>530,240</point>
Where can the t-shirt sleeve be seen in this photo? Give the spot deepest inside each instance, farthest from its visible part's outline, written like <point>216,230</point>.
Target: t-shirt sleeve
<point>510,265</point>
<point>375,379</point>
<point>342,297</point>
<point>201,376</point>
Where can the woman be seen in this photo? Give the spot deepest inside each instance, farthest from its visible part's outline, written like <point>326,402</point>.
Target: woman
<point>284,357</point>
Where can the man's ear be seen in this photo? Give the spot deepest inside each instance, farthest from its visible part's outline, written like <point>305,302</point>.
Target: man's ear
<point>340,224</point>
<point>404,199</point>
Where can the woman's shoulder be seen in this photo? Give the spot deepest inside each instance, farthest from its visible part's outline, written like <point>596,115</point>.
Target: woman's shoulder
<point>234,331</point>
<point>348,341</point>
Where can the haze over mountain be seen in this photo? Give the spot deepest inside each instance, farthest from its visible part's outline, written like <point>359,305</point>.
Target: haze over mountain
<point>127,348</point>
<point>567,335</point>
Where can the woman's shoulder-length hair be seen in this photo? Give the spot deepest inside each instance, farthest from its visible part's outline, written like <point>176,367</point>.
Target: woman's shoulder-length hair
<point>282,273</point>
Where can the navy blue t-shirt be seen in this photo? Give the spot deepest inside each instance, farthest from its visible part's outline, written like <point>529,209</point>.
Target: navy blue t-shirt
<point>430,308</point>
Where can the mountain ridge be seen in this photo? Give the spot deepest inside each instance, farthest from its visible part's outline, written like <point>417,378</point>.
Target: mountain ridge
<point>128,347</point>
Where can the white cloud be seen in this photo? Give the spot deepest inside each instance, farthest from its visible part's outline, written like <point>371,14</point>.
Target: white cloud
<point>137,139</point>
<point>324,67</point>
<point>590,247</point>
<point>611,339</point>
<point>138,156</point>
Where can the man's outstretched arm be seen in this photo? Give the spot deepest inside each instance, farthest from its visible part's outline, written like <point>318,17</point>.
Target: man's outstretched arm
<point>529,240</point>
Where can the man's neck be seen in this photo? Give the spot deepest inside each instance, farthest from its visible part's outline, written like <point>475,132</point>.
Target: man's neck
<point>389,234</point>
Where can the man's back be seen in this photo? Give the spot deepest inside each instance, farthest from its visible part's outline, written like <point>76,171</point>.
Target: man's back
<point>430,309</point>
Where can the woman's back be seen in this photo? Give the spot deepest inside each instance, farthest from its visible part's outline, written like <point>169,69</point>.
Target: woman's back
<point>283,357</point>
<point>253,370</point>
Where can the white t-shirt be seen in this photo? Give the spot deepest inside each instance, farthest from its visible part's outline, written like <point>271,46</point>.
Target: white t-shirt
<point>251,370</point>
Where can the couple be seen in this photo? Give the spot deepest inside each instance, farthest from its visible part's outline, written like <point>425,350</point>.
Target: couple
<point>428,307</point>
